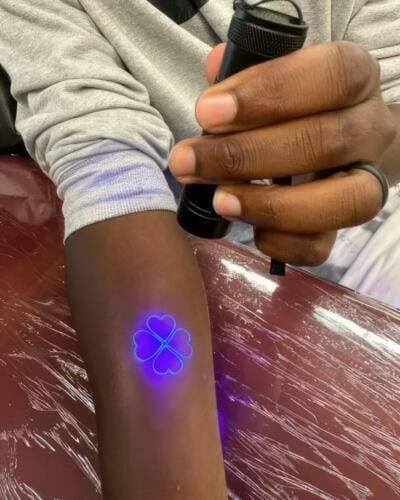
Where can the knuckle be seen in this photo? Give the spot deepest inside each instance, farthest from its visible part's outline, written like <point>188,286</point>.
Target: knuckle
<point>353,70</point>
<point>340,144</point>
<point>379,130</point>
<point>361,133</point>
<point>271,89</point>
<point>315,254</point>
<point>272,210</point>
<point>309,145</point>
<point>229,157</point>
<point>273,83</point>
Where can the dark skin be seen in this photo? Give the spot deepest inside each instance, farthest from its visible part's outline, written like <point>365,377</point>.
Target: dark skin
<point>390,163</point>
<point>158,438</point>
<point>281,119</point>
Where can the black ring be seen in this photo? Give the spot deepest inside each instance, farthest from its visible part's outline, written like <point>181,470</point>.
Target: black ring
<point>378,174</point>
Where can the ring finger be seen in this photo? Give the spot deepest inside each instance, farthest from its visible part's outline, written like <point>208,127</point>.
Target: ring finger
<point>344,199</point>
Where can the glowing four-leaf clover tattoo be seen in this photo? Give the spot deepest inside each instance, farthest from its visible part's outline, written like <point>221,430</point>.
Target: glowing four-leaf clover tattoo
<point>161,342</point>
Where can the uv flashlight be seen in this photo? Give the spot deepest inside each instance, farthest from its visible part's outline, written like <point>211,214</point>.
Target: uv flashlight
<point>256,35</point>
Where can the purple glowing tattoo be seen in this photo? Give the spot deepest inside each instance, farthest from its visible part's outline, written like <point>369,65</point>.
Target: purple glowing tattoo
<point>163,344</point>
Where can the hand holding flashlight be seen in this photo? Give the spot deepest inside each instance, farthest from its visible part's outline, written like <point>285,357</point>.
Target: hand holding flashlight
<point>318,108</point>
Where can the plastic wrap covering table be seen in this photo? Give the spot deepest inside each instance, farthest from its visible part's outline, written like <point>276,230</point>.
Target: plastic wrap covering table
<point>308,374</point>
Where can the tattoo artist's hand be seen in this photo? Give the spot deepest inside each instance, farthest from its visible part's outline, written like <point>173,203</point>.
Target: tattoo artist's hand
<point>318,108</point>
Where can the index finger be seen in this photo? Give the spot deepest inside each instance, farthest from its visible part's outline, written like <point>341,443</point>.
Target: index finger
<point>319,78</point>
<point>213,62</point>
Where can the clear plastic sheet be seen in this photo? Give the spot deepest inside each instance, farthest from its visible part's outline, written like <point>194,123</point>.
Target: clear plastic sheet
<point>308,374</point>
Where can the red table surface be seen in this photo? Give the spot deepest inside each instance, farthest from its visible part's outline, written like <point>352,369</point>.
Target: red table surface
<point>308,373</point>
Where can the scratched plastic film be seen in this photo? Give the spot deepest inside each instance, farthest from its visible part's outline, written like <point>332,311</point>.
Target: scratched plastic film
<point>308,374</point>
<point>308,381</point>
<point>48,444</point>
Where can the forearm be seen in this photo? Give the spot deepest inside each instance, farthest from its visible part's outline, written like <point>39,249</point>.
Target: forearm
<point>158,434</point>
<point>391,160</point>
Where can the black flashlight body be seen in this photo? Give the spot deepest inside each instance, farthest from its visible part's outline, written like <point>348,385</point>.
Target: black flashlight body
<point>256,35</point>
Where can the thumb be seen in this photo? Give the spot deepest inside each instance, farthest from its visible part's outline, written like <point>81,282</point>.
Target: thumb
<point>213,62</point>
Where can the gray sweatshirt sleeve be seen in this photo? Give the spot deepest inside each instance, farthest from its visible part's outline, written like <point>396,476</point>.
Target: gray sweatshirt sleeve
<point>376,26</point>
<point>84,119</point>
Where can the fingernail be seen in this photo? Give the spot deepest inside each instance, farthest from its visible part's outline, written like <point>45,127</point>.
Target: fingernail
<point>216,110</point>
<point>226,204</point>
<point>182,161</point>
